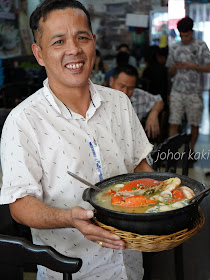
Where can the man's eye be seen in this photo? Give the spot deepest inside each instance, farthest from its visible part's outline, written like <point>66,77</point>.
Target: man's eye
<point>58,42</point>
<point>82,38</point>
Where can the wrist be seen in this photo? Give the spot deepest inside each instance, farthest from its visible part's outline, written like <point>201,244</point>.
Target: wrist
<point>197,67</point>
<point>154,112</point>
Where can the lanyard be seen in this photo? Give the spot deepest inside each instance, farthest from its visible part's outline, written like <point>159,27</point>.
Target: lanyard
<point>97,160</point>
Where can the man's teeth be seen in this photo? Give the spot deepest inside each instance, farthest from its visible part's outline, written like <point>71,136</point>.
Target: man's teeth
<point>74,66</point>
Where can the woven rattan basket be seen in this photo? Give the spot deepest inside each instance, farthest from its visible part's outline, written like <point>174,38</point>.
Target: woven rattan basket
<point>155,243</point>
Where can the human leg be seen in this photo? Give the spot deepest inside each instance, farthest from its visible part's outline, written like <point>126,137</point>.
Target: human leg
<point>176,111</point>
<point>194,133</point>
<point>194,109</point>
<point>173,129</point>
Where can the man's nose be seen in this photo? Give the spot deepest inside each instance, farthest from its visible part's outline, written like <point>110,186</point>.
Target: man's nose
<point>73,47</point>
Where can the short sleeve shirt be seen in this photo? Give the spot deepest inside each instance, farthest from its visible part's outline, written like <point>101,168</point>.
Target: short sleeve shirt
<point>143,102</point>
<point>188,80</point>
<point>42,139</point>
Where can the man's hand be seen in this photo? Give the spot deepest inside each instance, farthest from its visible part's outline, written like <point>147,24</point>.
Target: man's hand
<point>152,127</point>
<point>80,219</point>
<point>34,213</point>
<point>185,65</point>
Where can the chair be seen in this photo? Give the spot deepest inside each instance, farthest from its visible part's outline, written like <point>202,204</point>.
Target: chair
<point>167,157</point>
<point>13,93</point>
<point>17,252</point>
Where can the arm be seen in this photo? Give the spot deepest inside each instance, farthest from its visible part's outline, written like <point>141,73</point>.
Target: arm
<point>152,123</point>
<point>34,213</point>
<point>143,167</point>
<point>189,65</point>
<point>199,68</point>
<point>172,70</point>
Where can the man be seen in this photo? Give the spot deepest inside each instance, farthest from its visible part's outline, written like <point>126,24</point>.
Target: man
<point>121,59</point>
<point>125,48</point>
<point>186,62</point>
<point>68,125</point>
<point>145,104</point>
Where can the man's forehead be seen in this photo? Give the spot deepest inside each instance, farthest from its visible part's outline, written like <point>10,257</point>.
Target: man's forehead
<point>123,76</point>
<point>73,10</point>
<point>186,33</point>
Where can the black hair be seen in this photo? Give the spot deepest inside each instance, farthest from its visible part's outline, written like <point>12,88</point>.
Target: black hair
<point>122,58</point>
<point>185,24</point>
<point>123,46</point>
<point>149,54</point>
<point>162,51</point>
<point>48,6</point>
<point>98,53</point>
<point>127,69</point>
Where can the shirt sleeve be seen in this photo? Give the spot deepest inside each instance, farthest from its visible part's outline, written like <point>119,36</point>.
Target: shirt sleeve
<point>20,161</point>
<point>170,59</point>
<point>147,100</point>
<point>205,54</point>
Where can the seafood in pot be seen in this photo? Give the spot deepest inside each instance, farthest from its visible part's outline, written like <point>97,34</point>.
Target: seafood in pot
<point>147,195</point>
<point>140,186</point>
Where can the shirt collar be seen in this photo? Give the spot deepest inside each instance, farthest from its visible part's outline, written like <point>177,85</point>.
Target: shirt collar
<point>96,100</point>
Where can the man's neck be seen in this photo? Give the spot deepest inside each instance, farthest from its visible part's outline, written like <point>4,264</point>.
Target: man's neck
<point>76,99</point>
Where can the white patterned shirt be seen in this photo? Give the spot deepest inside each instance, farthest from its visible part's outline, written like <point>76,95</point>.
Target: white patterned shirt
<point>188,80</point>
<point>42,139</point>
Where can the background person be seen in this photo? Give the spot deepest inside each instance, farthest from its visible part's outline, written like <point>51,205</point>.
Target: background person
<point>145,104</point>
<point>186,61</point>
<point>125,48</point>
<point>99,64</point>
<point>154,78</point>
<point>121,59</point>
<point>50,133</point>
<point>100,68</point>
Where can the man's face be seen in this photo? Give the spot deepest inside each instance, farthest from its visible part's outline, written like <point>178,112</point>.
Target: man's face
<point>66,48</point>
<point>124,83</point>
<point>124,49</point>
<point>186,37</point>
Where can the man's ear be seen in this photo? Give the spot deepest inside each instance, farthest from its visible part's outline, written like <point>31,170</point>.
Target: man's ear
<point>38,54</point>
<point>94,39</point>
<point>111,81</point>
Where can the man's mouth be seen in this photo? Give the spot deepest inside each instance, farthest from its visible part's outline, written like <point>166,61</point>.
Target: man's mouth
<point>74,65</point>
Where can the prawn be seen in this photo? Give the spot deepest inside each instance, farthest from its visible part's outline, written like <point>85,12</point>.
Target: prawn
<point>171,184</point>
<point>189,193</point>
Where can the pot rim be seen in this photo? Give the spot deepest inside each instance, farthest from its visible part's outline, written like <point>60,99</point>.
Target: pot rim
<point>143,175</point>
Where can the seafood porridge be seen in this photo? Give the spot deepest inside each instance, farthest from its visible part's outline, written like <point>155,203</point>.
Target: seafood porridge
<point>145,195</point>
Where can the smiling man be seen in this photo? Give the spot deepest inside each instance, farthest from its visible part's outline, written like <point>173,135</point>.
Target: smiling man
<point>70,124</point>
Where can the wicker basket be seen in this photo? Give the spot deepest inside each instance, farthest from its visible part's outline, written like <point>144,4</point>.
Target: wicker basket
<point>155,243</point>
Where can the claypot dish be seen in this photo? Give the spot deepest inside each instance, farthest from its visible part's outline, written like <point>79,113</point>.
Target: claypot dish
<point>161,223</point>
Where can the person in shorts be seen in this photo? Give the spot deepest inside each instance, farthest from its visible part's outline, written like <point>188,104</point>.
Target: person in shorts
<point>186,62</point>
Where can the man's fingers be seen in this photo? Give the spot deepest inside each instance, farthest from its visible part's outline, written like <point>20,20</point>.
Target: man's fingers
<point>111,245</point>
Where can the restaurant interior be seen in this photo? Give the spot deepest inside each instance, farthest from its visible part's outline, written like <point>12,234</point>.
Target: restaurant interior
<point>139,24</point>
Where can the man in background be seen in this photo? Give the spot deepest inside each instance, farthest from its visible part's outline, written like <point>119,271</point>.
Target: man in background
<point>122,58</point>
<point>186,61</point>
<point>146,105</point>
<point>125,48</point>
